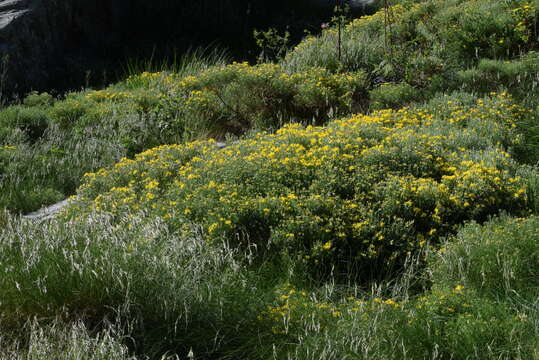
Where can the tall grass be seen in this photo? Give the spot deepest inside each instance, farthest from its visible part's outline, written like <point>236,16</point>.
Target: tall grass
<point>170,293</point>
<point>99,290</point>
<point>64,341</point>
<point>190,62</point>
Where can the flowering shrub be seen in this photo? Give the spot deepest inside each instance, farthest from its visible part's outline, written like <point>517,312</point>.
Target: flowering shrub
<point>361,193</point>
<point>293,309</point>
<point>425,43</point>
<point>235,98</point>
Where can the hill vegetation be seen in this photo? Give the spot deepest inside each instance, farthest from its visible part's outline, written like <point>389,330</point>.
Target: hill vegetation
<point>380,205</point>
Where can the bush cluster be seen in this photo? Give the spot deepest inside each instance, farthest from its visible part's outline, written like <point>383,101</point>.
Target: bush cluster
<point>358,195</point>
<point>388,234</point>
<point>239,97</point>
<point>152,109</point>
<point>428,44</point>
<point>497,259</point>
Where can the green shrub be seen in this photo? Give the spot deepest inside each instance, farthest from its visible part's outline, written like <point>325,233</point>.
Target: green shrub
<point>358,195</point>
<point>272,46</point>
<point>427,43</point>
<point>530,175</point>
<point>393,96</point>
<point>239,97</point>
<point>455,323</point>
<point>35,99</point>
<point>67,113</point>
<point>516,76</point>
<point>32,122</point>
<point>499,259</point>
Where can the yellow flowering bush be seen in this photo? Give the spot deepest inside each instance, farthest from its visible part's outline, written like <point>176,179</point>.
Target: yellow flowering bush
<point>425,43</point>
<point>234,98</point>
<point>359,194</point>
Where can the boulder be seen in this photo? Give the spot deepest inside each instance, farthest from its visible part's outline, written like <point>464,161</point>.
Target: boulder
<point>55,44</point>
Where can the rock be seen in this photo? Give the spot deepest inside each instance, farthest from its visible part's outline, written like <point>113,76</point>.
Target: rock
<point>47,212</point>
<point>28,44</point>
<point>54,44</point>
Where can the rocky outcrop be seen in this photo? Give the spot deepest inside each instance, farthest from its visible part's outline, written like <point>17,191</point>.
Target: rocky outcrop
<point>48,44</point>
<point>12,13</point>
<point>47,212</point>
<point>39,40</point>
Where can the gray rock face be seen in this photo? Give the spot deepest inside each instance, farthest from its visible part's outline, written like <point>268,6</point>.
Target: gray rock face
<point>46,43</point>
<point>47,212</point>
<point>351,3</point>
<point>11,10</point>
<point>27,44</point>
<point>10,13</point>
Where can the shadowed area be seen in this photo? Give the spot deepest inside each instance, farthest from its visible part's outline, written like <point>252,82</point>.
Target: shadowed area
<point>65,45</point>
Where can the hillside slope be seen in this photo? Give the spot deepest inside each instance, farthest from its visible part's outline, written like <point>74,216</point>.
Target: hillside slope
<point>384,205</point>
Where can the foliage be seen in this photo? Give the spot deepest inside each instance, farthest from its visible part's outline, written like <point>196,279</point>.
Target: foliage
<point>497,259</point>
<point>63,341</point>
<point>47,144</point>
<point>23,123</point>
<point>453,323</point>
<point>272,46</point>
<point>404,233</point>
<point>515,75</point>
<point>191,61</point>
<point>426,44</point>
<point>393,96</point>
<point>357,196</point>
<point>170,293</point>
<point>38,99</point>
<point>238,97</point>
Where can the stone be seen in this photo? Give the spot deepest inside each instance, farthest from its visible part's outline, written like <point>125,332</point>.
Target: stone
<point>55,44</point>
<point>47,212</point>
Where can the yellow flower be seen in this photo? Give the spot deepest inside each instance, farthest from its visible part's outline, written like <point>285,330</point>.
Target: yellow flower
<point>213,227</point>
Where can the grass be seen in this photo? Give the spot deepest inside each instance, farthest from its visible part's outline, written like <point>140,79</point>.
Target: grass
<point>58,340</point>
<point>383,207</point>
<point>147,292</point>
<point>192,61</point>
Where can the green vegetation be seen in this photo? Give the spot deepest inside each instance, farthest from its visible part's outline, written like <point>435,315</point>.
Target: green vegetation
<point>354,197</point>
<point>428,43</point>
<point>382,207</point>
